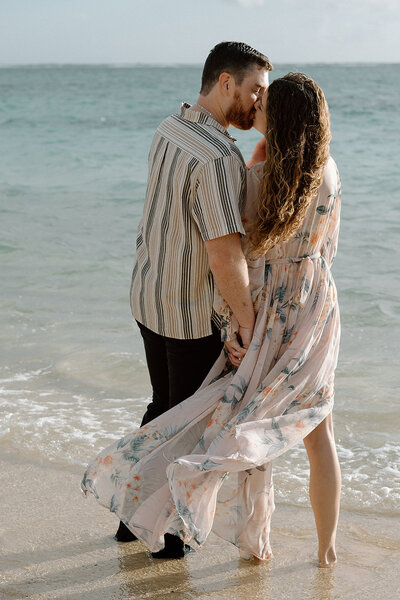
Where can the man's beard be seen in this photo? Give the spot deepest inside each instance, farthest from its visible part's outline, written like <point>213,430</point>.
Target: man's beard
<point>238,117</point>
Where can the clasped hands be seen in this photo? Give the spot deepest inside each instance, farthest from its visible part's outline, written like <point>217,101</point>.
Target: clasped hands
<point>237,347</point>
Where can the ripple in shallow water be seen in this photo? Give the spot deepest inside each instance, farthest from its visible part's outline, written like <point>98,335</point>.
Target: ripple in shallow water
<point>63,428</point>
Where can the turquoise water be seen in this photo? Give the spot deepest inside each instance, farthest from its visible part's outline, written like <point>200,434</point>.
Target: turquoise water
<point>74,144</point>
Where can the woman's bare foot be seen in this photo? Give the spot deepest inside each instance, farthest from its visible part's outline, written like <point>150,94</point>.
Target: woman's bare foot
<point>261,561</point>
<point>327,560</point>
<point>256,560</point>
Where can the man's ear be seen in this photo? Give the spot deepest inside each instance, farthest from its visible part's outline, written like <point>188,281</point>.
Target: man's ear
<point>226,84</point>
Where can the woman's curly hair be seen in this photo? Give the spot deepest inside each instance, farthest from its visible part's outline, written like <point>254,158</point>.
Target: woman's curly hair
<point>297,151</point>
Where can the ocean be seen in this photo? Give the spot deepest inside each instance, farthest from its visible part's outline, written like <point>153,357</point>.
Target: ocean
<point>74,142</point>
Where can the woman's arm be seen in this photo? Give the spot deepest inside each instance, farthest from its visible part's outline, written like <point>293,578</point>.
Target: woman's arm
<point>258,154</point>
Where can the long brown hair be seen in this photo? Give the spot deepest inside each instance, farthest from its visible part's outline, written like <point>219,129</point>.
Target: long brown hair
<point>297,149</point>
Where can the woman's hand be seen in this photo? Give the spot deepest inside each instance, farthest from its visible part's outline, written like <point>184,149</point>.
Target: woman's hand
<point>237,348</point>
<point>258,154</point>
<point>235,352</point>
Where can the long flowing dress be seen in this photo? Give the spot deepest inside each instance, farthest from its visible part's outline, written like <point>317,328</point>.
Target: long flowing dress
<point>205,465</point>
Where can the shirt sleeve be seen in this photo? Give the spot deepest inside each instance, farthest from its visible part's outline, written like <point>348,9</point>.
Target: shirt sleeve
<point>221,186</point>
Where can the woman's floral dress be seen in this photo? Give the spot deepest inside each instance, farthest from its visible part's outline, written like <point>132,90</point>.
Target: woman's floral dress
<point>205,465</point>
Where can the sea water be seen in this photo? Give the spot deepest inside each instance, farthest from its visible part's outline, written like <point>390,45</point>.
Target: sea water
<point>74,142</point>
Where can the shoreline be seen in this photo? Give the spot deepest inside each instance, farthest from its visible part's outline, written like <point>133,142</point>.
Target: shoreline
<point>57,544</point>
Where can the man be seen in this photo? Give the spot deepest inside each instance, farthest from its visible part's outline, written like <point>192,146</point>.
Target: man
<point>189,235</point>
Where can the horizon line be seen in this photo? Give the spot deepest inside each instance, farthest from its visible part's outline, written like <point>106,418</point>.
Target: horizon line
<point>178,64</point>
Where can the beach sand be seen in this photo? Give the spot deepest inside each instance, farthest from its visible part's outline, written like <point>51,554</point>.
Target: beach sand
<point>57,544</point>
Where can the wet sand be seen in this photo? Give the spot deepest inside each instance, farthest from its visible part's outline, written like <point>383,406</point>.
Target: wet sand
<point>56,544</point>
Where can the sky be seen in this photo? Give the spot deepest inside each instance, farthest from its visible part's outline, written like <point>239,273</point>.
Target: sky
<point>183,31</point>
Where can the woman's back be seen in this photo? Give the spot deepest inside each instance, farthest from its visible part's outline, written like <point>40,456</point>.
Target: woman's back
<point>319,230</point>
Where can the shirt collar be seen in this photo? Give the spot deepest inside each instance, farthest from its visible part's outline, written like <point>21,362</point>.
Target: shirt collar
<point>190,114</point>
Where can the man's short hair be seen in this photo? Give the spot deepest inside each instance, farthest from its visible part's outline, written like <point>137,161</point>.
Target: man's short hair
<point>235,58</point>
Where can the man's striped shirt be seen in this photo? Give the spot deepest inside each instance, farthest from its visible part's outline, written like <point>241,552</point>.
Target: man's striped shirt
<point>196,185</point>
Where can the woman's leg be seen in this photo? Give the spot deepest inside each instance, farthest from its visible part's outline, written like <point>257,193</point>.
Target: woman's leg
<point>325,484</point>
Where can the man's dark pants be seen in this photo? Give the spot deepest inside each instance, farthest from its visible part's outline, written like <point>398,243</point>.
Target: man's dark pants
<point>177,367</point>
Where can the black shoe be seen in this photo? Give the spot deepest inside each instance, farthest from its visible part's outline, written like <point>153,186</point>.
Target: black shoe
<point>124,534</point>
<point>174,548</point>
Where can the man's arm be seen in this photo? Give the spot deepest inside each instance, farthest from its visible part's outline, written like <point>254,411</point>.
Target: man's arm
<point>229,268</point>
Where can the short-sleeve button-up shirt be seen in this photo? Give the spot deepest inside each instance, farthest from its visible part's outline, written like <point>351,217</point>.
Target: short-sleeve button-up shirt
<point>196,187</point>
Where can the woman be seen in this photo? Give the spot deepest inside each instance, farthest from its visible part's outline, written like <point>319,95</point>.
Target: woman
<point>206,464</point>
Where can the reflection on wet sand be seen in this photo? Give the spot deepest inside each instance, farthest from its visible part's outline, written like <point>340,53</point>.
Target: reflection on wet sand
<point>207,575</point>
<point>218,572</point>
<point>323,585</point>
<point>143,576</point>
<point>211,573</point>
<point>57,546</point>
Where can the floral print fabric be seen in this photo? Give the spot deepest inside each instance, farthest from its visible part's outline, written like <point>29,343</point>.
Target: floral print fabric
<point>206,464</point>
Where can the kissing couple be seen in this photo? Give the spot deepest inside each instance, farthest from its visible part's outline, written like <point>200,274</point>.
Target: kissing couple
<point>233,294</point>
